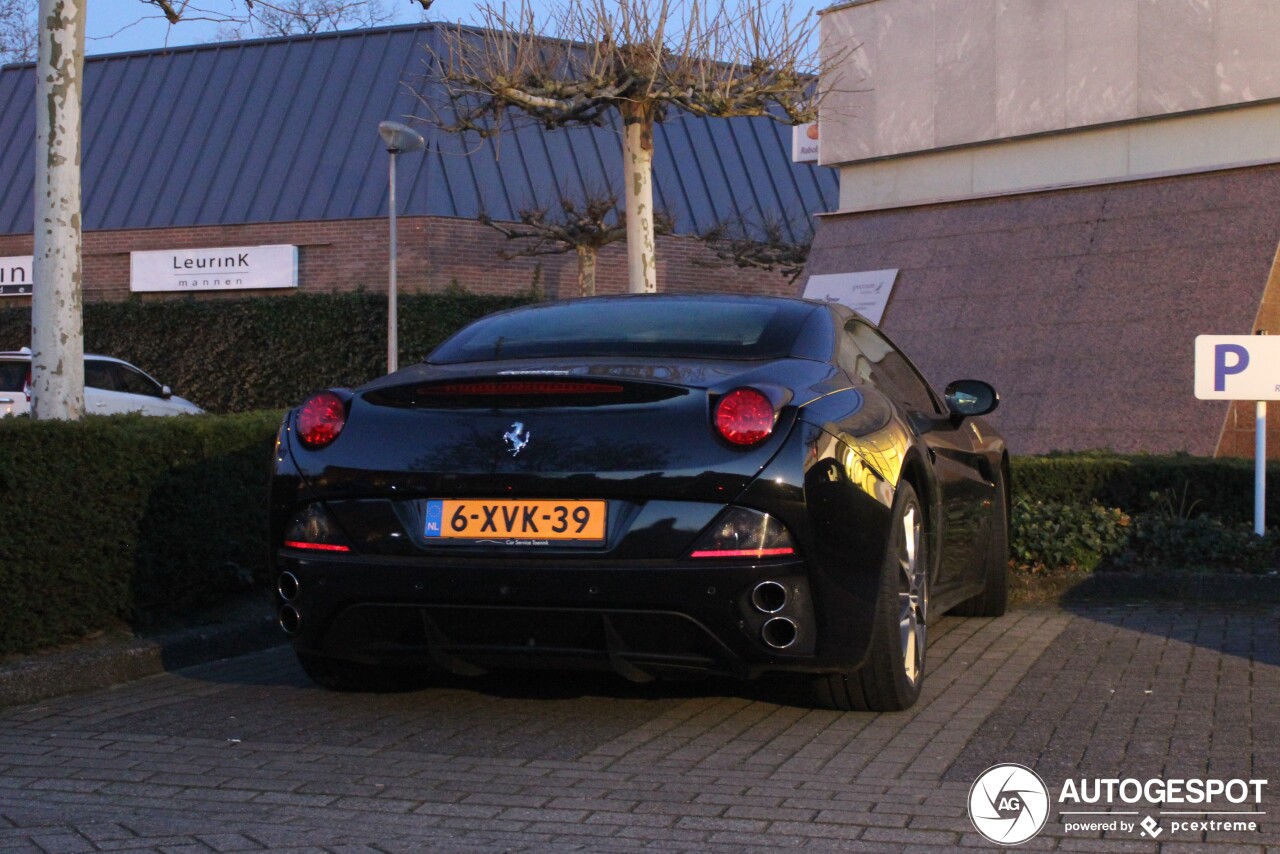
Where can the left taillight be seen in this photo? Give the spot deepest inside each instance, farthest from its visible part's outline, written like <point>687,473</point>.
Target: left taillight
<point>312,528</point>
<point>744,416</point>
<point>321,419</point>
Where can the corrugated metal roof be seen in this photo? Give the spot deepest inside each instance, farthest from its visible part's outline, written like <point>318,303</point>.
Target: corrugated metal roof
<point>279,130</point>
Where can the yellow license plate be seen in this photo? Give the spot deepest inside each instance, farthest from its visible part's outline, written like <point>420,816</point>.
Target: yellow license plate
<point>525,522</point>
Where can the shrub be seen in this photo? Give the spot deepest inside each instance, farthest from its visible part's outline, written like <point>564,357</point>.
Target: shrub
<point>126,517</point>
<point>1052,535</point>
<point>1172,535</point>
<point>1180,513</point>
<point>1139,483</point>
<point>238,355</point>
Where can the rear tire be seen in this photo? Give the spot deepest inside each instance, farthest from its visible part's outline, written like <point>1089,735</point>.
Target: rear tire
<point>993,601</point>
<point>339,675</point>
<point>891,677</point>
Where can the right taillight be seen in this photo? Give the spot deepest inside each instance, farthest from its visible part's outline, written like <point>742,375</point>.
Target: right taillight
<point>740,532</point>
<point>320,419</point>
<point>744,416</point>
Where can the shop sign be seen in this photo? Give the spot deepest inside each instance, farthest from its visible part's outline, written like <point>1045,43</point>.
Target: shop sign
<point>214,269</point>
<point>15,276</point>
<point>804,143</point>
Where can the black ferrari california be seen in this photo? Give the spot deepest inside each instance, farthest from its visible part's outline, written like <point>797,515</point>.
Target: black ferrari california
<point>653,485</point>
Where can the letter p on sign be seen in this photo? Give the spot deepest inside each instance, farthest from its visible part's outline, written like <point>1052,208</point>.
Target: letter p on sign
<point>1221,355</point>
<point>1238,367</point>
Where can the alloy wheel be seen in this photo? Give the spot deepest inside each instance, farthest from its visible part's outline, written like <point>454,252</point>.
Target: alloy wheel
<point>913,596</point>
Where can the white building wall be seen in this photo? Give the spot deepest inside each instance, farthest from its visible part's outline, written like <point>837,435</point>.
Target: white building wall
<point>946,99</point>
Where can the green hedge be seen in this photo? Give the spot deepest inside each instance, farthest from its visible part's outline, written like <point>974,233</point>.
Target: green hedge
<point>239,355</point>
<point>1141,512</point>
<point>1181,484</point>
<point>127,517</point>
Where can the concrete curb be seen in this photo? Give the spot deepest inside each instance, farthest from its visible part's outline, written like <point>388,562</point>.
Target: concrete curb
<point>43,676</point>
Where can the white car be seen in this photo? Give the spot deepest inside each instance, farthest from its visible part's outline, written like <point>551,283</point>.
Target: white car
<point>111,386</point>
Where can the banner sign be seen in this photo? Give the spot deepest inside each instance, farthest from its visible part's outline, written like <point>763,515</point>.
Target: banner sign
<point>866,293</point>
<point>214,269</point>
<point>15,276</point>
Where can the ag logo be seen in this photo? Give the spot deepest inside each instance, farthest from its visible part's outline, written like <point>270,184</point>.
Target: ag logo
<point>1009,804</point>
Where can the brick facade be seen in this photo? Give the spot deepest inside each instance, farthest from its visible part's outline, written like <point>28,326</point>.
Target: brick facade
<point>1082,305</point>
<point>433,252</point>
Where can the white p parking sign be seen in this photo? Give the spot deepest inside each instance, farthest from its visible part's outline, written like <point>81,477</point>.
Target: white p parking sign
<point>1243,367</point>
<point>1238,367</point>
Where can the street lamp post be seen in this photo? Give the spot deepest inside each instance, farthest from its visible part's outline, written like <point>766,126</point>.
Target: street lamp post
<point>398,138</point>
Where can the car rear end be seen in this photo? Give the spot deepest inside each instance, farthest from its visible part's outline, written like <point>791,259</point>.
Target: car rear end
<point>630,513</point>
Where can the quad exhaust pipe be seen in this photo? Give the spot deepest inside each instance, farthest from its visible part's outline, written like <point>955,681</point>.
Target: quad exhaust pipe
<point>289,617</point>
<point>287,585</point>
<point>290,620</point>
<point>779,632</point>
<point>771,597</point>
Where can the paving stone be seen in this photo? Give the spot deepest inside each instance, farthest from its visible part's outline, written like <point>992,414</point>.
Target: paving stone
<point>245,754</point>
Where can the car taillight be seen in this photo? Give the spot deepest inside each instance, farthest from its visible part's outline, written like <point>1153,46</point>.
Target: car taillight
<point>741,532</point>
<point>321,419</point>
<point>744,416</point>
<point>312,528</point>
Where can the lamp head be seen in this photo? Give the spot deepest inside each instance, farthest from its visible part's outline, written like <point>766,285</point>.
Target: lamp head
<point>400,137</point>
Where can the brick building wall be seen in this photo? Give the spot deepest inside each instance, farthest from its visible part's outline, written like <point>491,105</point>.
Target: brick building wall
<point>433,252</point>
<point>1082,305</point>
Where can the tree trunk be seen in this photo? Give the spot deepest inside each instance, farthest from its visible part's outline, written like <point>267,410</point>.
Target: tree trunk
<point>57,334</point>
<point>587,270</point>
<point>637,157</point>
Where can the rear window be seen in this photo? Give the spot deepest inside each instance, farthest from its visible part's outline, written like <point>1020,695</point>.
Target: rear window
<point>632,326</point>
<point>13,375</point>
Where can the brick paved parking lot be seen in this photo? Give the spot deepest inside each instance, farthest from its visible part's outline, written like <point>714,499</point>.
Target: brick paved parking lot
<point>246,754</point>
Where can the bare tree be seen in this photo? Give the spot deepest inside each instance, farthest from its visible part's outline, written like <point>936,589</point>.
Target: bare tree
<point>283,17</point>
<point>300,17</point>
<point>18,30</point>
<point>764,245</point>
<point>57,331</point>
<point>582,226</point>
<point>640,58</point>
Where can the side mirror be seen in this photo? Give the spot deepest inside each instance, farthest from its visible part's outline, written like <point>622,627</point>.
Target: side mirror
<point>167,392</point>
<point>971,397</point>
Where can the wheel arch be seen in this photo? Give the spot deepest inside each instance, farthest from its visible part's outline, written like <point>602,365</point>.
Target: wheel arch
<point>1006,472</point>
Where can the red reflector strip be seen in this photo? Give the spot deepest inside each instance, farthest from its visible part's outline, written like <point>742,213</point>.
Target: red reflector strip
<point>744,552</point>
<point>322,547</point>
<point>521,388</point>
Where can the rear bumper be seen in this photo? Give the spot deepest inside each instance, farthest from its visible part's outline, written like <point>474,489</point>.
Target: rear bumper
<point>640,620</point>
<point>635,603</point>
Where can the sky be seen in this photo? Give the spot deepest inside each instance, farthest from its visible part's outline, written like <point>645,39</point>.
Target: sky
<point>116,26</point>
